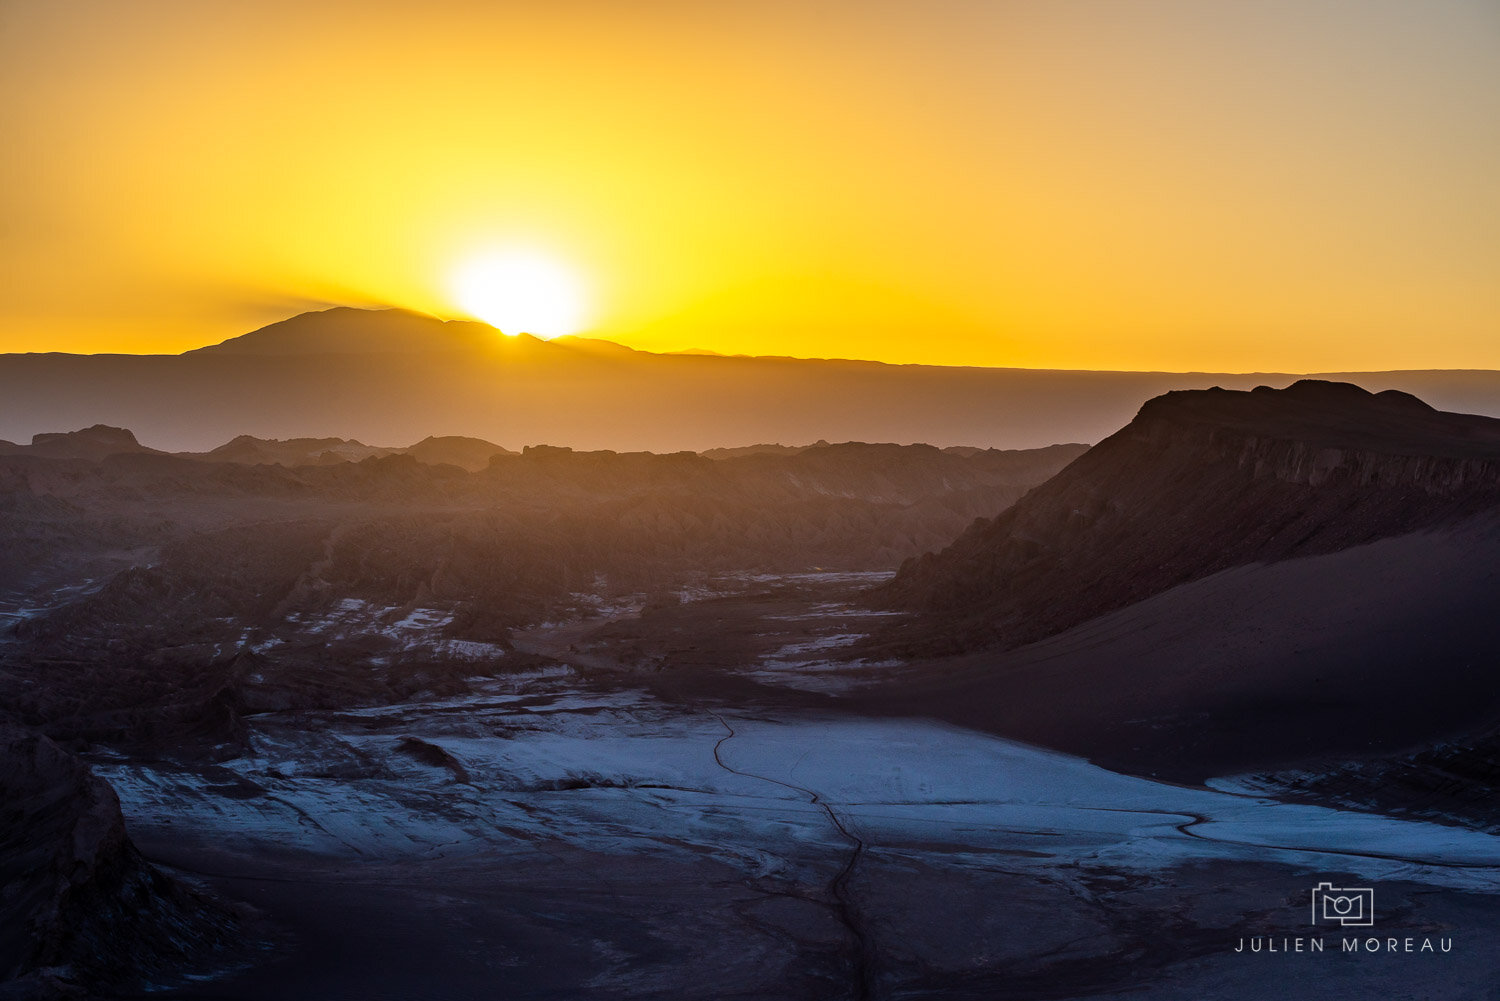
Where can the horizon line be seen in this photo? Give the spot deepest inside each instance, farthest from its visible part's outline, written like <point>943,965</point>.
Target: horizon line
<point>737,356</point>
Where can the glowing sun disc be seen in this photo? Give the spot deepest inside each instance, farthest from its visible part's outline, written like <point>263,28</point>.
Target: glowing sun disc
<point>521,293</point>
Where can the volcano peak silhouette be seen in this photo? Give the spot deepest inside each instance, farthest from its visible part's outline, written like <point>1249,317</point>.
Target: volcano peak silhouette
<point>348,330</point>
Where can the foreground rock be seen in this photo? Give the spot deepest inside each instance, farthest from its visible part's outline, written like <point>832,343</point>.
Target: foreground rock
<point>80,909</point>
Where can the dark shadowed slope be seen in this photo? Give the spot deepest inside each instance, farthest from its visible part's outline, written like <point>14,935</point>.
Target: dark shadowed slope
<point>1380,649</point>
<point>391,377</point>
<point>79,907</point>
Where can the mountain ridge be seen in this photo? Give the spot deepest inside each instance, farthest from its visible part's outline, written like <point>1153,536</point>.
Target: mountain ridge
<point>372,376</point>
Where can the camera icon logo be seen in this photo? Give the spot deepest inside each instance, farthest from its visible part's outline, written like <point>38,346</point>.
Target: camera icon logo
<point>1350,906</point>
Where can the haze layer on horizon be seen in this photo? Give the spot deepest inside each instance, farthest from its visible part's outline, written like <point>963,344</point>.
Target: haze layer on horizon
<point>1169,185</point>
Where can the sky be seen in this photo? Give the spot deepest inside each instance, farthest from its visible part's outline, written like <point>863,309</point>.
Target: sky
<point>1307,185</point>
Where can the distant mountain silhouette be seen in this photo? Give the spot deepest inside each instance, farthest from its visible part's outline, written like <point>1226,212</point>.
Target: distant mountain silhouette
<point>292,452</point>
<point>344,330</point>
<point>102,441</point>
<point>761,449</point>
<point>88,443</point>
<point>388,377</point>
<point>470,453</point>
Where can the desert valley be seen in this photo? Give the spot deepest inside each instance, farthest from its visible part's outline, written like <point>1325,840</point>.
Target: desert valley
<point>793,500</point>
<point>313,718</point>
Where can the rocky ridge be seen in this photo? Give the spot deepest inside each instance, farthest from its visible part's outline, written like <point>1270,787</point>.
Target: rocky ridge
<point>1199,482</point>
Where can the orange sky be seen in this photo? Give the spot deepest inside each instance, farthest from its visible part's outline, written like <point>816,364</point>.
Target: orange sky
<point>1256,185</point>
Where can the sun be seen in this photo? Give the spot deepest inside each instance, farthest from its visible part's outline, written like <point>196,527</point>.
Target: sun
<point>521,292</point>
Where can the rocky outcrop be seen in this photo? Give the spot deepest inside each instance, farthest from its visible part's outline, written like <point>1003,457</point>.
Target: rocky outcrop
<point>1199,482</point>
<point>94,442</point>
<point>472,454</point>
<point>251,450</point>
<point>101,442</point>
<point>79,907</point>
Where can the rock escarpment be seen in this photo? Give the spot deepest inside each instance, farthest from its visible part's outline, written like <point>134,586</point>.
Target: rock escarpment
<point>1199,482</point>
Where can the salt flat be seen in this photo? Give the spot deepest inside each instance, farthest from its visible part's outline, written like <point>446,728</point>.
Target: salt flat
<point>578,831</point>
<point>622,771</point>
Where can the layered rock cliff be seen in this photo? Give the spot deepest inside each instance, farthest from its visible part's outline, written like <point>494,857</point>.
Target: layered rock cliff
<point>1199,482</point>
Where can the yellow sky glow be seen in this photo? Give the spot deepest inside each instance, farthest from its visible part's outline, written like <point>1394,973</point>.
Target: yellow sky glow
<point>1257,185</point>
